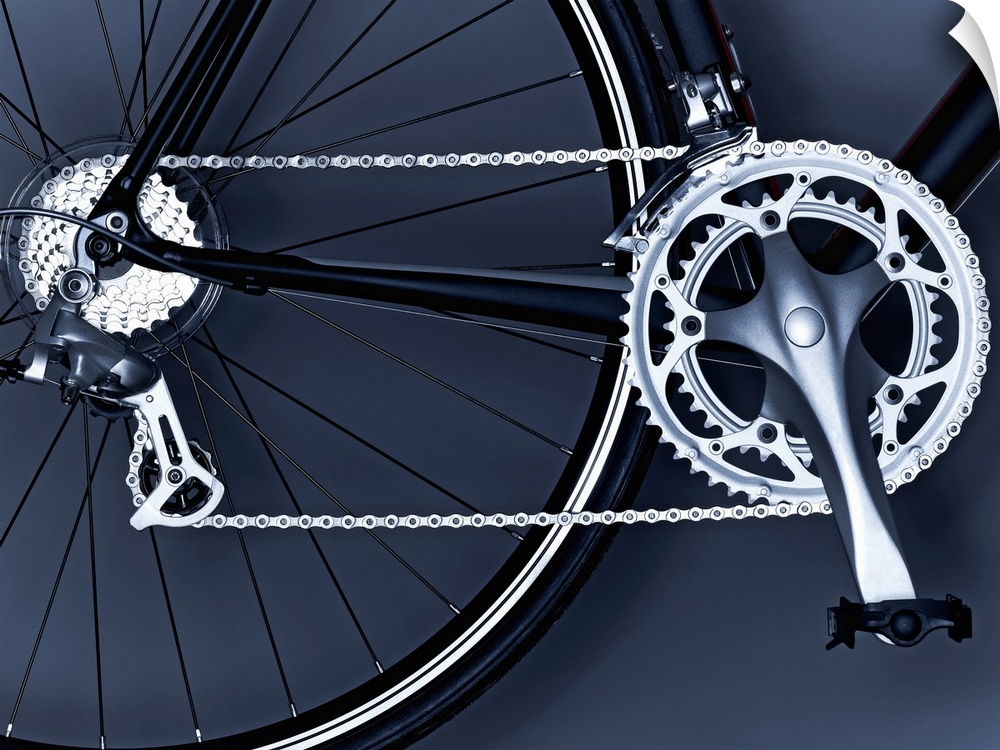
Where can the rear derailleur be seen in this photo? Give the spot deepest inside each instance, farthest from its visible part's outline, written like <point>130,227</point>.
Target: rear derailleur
<point>176,484</point>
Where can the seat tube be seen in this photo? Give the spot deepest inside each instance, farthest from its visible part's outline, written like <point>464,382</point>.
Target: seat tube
<point>699,42</point>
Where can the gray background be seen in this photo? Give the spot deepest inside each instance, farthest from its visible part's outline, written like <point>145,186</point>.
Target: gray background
<point>711,635</point>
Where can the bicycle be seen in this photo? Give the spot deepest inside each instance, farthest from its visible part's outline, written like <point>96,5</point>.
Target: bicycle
<point>211,457</point>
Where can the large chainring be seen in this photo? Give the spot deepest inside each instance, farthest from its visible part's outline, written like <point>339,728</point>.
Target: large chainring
<point>700,251</point>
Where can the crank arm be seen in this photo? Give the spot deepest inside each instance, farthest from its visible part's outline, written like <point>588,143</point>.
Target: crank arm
<point>815,365</point>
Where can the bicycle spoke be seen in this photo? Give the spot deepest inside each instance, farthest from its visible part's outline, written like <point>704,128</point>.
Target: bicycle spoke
<point>114,67</point>
<point>290,115</point>
<point>24,74</point>
<point>173,629</point>
<point>170,68</point>
<point>730,362</point>
<point>270,75</point>
<point>267,136</point>
<point>319,486</point>
<point>24,345</point>
<point>424,374</point>
<point>55,586</point>
<point>31,154</point>
<point>736,273</point>
<point>25,316</point>
<point>518,334</point>
<point>13,305</point>
<point>45,137</point>
<point>38,472</point>
<point>93,575</point>
<point>16,353</point>
<point>439,209</point>
<point>556,266</point>
<point>443,112</point>
<point>224,362</point>
<point>141,73</point>
<point>371,76</point>
<point>505,327</point>
<point>143,50</point>
<point>239,532</point>
<point>21,143</point>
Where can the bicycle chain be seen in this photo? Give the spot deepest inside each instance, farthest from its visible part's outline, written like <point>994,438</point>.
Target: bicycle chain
<point>502,520</point>
<point>458,520</point>
<point>387,161</point>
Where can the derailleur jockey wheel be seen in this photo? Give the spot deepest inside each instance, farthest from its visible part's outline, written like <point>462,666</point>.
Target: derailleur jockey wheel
<point>190,495</point>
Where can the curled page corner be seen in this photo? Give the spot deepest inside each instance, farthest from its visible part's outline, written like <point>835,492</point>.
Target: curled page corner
<point>979,33</point>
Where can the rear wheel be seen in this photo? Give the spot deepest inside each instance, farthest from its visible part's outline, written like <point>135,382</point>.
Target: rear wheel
<point>303,639</point>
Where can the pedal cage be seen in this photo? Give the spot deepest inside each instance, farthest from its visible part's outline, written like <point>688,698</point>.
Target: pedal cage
<point>904,622</point>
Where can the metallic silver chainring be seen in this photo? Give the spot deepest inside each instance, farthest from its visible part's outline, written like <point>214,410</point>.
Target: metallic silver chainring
<point>675,269</point>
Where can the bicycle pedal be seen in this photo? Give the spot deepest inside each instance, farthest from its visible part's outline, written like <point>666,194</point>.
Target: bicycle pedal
<point>903,622</point>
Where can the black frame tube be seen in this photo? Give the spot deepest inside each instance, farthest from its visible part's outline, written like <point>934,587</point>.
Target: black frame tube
<point>212,86</point>
<point>591,304</point>
<point>204,62</point>
<point>958,142</point>
<point>694,34</point>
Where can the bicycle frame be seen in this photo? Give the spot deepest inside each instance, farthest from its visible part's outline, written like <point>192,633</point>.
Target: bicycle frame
<point>955,146</point>
<point>949,150</point>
